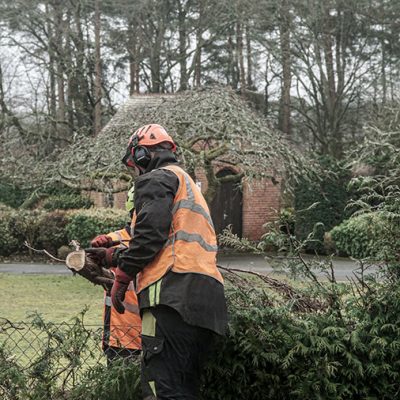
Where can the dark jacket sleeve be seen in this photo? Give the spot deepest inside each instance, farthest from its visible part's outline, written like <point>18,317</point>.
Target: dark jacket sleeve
<point>154,197</point>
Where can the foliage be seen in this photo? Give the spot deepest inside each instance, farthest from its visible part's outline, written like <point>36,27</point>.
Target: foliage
<point>66,202</point>
<point>84,225</point>
<point>11,195</point>
<point>119,381</point>
<point>320,204</point>
<point>368,235</point>
<point>375,163</point>
<point>50,230</point>
<point>8,242</point>
<point>348,350</point>
<point>61,360</point>
<point>346,353</point>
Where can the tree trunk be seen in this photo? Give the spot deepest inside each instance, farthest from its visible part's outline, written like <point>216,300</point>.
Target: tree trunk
<point>183,84</point>
<point>134,45</point>
<point>284,33</point>
<point>240,56</point>
<point>52,78</point>
<point>60,66</point>
<point>249,58</point>
<point>97,107</point>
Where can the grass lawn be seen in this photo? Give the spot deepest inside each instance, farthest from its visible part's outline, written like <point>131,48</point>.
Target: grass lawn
<point>56,298</point>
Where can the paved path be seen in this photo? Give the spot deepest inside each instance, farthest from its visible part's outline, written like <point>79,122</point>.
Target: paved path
<point>343,267</point>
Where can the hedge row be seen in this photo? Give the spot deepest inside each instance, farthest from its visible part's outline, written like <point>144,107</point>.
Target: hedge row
<point>51,230</point>
<point>53,197</point>
<point>375,235</point>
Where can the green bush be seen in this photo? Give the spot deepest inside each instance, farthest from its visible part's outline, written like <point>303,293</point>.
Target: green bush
<point>51,231</point>
<point>25,226</point>
<point>368,235</point>
<point>84,225</point>
<point>349,351</point>
<point>320,205</point>
<point>9,243</point>
<point>11,194</point>
<point>66,202</point>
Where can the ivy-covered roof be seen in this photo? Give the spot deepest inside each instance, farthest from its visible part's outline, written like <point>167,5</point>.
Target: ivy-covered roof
<point>209,125</point>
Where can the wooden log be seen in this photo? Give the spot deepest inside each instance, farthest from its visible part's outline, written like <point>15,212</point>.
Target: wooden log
<point>78,262</point>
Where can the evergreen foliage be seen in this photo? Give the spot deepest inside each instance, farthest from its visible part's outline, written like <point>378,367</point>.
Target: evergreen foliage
<point>349,350</point>
<point>320,204</point>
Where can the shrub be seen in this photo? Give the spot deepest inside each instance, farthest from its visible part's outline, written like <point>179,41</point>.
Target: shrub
<point>329,197</point>
<point>51,231</point>
<point>273,353</point>
<point>25,226</point>
<point>12,195</point>
<point>84,225</point>
<point>8,241</point>
<point>367,235</point>
<point>66,202</point>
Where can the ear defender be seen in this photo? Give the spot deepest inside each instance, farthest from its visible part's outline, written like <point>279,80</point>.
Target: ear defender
<point>141,156</point>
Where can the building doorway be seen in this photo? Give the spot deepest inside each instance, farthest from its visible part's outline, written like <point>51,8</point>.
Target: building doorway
<point>226,207</point>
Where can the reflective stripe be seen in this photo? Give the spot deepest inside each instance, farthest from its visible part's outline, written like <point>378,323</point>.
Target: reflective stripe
<point>154,293</point>
<point>192,206</point>
<point>191,237</point>
<point>148,324</point>
<point>152,385</point>
<point>189,190</point>
<point>107,301</point>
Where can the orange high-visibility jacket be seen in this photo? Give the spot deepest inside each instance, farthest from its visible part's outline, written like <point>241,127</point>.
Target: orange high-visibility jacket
<point>122,330</point>
<point>192,244</point>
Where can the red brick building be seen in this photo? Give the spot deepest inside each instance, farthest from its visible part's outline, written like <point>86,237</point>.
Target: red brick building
<point>246,206</point>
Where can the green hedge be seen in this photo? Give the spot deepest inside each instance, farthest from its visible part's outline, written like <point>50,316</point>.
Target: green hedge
<point>66,202</point>
<point>57,196</point>
<point>329,197</point>
<point>51,230</point>
<point>9,243</point>
<point>368,235</point>
<point>11,194</point>
<point>84,225</point>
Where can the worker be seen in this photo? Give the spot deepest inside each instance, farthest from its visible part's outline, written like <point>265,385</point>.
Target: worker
<point>172,256</point>
<point>121,332</point>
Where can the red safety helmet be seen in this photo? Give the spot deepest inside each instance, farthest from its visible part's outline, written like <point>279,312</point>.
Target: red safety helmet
<point>147,136</point>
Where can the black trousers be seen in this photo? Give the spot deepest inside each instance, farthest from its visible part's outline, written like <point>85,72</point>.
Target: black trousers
<point>173,353</point>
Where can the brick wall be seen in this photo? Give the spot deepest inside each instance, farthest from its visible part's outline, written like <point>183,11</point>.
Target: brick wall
<point>261,204</point>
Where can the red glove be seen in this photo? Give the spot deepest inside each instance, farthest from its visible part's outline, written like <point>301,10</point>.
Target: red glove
<point>102,256</point>
<point>101,241</point>
<point>120,286</point>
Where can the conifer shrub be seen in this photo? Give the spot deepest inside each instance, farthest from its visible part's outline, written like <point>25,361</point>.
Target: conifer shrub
<point>320,204</point>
